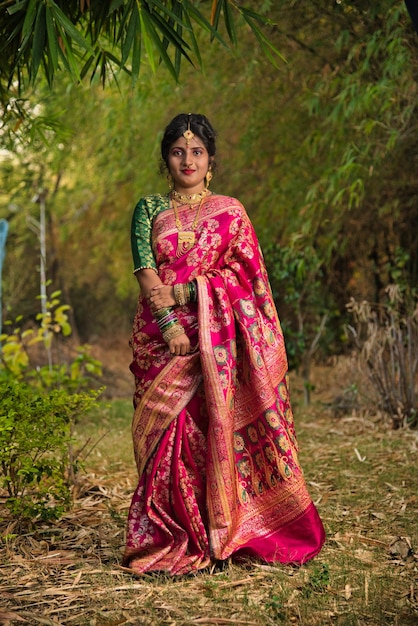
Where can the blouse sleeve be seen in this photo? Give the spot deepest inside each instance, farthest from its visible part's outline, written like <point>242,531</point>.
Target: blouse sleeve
<point>141,227</point>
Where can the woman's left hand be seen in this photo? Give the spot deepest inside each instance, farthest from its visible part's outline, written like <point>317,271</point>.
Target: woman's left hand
<point>160,297</point>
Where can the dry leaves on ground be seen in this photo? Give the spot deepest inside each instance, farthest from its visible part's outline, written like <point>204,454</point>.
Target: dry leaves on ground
<point>68,573</point>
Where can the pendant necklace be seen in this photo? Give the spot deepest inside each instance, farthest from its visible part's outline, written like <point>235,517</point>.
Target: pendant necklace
<point>186,239</point>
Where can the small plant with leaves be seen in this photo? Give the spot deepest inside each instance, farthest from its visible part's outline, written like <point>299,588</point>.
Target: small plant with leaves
<point>275,607</point>
<point>318,581</point>
<point>16,348</point>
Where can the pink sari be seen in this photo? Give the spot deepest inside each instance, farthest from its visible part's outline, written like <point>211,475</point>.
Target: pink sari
<point>213,432</point>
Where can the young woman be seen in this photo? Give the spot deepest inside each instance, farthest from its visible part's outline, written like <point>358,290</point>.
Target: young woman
<point>213,428</point>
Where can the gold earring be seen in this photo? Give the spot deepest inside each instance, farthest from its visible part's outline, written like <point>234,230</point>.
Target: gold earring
<point>170,182</point>
<point>208,178</point>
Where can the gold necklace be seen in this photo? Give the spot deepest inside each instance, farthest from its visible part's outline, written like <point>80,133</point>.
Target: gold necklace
<point>189,198</point>
<point>186,239</point>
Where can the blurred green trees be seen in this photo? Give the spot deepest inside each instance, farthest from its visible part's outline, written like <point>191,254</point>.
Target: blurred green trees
<point>321,149</point>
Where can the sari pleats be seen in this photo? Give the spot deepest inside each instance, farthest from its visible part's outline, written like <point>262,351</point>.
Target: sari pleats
<point>167,520</point>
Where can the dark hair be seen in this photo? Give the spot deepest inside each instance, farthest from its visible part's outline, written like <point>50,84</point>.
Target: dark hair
<point>199,125</point>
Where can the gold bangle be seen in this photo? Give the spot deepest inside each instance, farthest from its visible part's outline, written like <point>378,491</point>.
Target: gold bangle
<point>186,293</point>
<point>179,294</point>
<point>173,331</point>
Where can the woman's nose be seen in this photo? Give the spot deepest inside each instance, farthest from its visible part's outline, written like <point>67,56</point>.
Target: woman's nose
<point>187,158</point>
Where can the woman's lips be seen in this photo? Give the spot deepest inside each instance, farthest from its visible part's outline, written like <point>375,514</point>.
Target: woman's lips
<point>188,172</point>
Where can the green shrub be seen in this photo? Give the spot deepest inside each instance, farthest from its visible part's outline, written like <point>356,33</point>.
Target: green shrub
<point>39,406</point>
<point>36,467</point>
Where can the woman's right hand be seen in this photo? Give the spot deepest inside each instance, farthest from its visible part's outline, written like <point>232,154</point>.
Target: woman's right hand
<point>180,345</point>
<point>161,297</point>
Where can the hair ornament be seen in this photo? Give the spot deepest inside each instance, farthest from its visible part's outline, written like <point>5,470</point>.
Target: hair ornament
<point>188,134</point>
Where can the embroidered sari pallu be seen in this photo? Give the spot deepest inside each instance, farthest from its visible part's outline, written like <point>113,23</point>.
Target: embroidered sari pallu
<point>213,431</point>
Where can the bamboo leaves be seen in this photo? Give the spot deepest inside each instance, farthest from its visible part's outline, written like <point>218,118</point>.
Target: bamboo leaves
<point>83,37</point>
<point>254,21</point>
<point>269,50</point>
<point>47,36</point>
<point>38,39</point>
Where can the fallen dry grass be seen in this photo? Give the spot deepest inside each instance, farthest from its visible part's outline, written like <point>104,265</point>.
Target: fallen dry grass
<point>363,478</point>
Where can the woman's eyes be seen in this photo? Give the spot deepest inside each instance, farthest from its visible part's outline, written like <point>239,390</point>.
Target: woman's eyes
<point>197,152</point>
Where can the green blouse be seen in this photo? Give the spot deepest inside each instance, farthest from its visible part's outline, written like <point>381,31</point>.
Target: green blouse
<point>141,230</point>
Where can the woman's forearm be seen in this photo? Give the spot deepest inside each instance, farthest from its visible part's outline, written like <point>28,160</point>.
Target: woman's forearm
<point>147,279</point>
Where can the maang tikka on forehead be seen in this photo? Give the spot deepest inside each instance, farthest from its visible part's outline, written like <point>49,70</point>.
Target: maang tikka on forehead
<point>188,134</point>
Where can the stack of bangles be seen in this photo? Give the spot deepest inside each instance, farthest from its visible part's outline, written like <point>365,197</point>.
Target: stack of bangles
<point>185,292</point>
<point>168,324</point>
<point>166,318</point>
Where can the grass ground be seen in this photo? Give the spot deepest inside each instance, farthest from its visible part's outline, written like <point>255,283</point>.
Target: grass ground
<point>362,476</point>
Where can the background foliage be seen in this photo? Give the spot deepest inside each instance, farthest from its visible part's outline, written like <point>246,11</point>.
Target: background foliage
<point>321,149</point>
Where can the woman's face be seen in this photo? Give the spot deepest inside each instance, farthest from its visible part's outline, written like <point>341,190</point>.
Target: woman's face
<point>188,164</point>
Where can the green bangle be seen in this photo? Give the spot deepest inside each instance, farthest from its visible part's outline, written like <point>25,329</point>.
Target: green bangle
<point>164,327</point>
<point>163,312</point>
<point>192,290</point>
